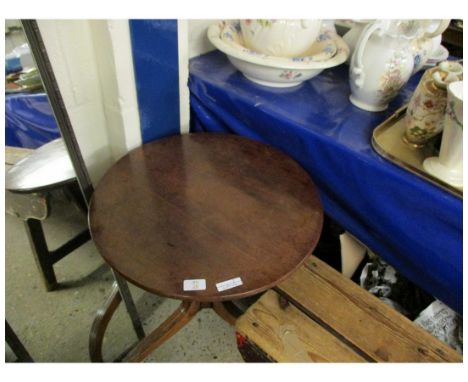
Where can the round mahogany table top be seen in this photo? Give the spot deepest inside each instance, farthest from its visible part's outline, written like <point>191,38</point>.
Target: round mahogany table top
<point>205,206</point>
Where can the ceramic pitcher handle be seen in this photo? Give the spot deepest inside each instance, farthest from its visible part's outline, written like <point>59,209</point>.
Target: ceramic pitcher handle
<point>356,60</point>
<point>443,25</point>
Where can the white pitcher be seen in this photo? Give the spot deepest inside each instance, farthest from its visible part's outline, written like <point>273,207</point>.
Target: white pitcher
<point>382,63</point>
<point>351,37</point>
<point>448,166</point>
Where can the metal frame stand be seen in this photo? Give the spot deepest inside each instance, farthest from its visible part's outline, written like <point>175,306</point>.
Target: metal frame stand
<point>129,304</point>
<point>49,81</point>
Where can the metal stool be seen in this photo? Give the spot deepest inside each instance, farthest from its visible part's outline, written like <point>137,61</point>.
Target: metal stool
<point>29,184</point>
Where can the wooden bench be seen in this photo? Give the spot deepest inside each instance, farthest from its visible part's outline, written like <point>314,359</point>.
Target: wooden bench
<point>317,315</point>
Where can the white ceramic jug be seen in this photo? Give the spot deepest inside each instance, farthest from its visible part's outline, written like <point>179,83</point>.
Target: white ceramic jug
<point>351,37</point>
<point>382,63</point>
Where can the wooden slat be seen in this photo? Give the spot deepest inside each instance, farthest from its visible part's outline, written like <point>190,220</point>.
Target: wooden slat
<point>361,318</point>
<point>289,335</point>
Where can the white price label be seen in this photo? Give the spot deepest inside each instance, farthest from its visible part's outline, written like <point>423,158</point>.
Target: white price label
<point>228,284</point>
<point>197,284</point>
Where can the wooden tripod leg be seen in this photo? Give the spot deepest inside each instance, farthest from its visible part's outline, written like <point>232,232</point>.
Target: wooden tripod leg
<point>184,313</point>
<point>225,311</point>
<point>100,323</point>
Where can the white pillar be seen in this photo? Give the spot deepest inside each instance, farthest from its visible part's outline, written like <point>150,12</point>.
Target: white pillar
<point>184,96</point>
<point>92,62</point>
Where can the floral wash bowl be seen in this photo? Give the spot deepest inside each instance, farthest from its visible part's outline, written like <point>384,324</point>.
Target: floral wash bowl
<point>278,71</point>
<point>319,50</point>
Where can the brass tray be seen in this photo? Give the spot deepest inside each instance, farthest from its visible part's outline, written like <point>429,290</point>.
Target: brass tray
<point>387,141</point>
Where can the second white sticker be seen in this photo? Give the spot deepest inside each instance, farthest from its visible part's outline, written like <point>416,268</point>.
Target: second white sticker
<point>228,284</point>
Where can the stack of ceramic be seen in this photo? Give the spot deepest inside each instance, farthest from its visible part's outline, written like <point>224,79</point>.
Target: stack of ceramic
<point>436,52</point>
<point>264,67</point>
<point>439,54</point>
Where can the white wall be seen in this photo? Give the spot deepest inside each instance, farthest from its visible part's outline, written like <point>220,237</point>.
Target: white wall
<point>92,61</point>
<point>70,48</point>
<point>198,41</point>
<point>113,52</point>
<point>92,64</point>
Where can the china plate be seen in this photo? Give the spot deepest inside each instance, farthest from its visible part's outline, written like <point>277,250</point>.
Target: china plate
<point>274,71</point>
<point>321,50</point>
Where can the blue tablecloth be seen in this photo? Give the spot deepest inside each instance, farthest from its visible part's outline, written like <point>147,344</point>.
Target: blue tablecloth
<point>412,224</point>
<point>29,120</point>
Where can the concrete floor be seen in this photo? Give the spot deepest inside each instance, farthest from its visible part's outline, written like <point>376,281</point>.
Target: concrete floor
<point>54,326</point>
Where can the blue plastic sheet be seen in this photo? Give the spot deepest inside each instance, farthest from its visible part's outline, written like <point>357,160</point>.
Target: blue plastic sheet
<point>29,120</point>
<point>414,225</point>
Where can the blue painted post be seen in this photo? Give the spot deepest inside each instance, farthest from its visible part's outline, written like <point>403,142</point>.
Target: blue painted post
<point>155,60</point>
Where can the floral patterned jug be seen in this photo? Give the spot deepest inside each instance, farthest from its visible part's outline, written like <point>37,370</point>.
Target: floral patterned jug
<point>425,113</point>
<point>382,63</point>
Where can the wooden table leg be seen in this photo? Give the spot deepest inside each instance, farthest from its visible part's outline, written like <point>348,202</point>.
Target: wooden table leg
<point>100,323</point>
<point>227,311</point>
<point>184,313</point>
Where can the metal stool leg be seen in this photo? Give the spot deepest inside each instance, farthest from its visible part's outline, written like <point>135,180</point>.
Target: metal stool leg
<point>45,258</point>
<point>16,345</point>
<point>41,252</point>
